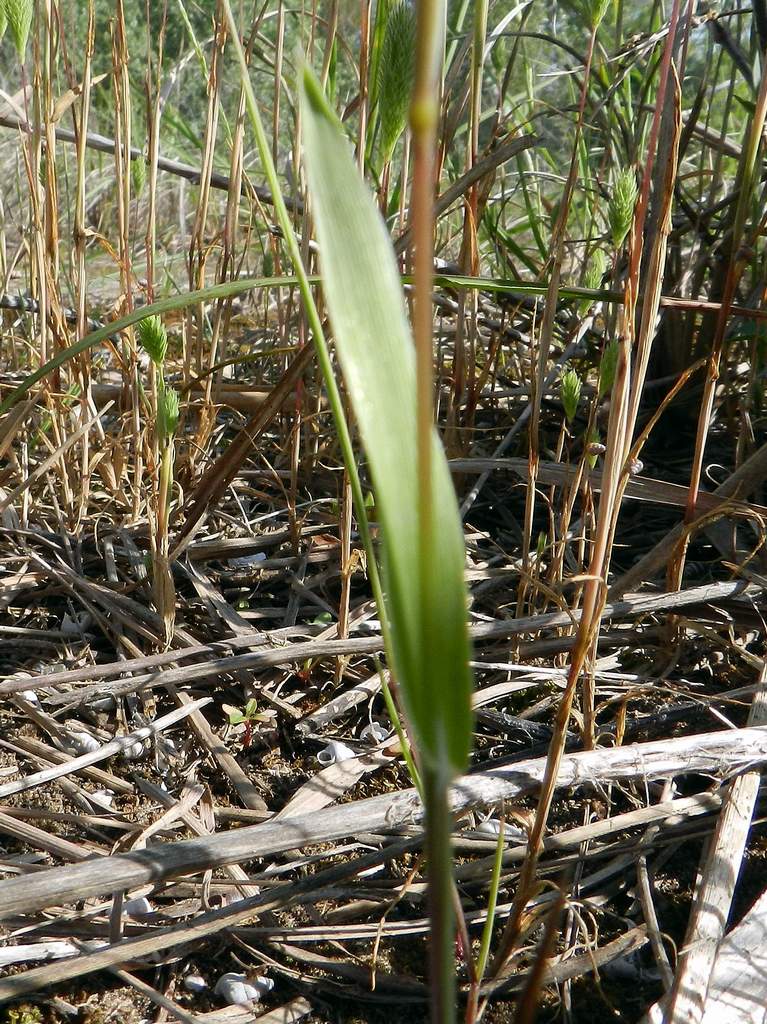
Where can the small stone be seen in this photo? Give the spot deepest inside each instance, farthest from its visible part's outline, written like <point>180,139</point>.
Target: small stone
<point>195,983</point>
<point>138,908</point>
<point>236,988</point>
<point>134,751</point>
<point>489,827</point>
<point>82,743</point>
<point>103,798</point>
<point>105,703</point>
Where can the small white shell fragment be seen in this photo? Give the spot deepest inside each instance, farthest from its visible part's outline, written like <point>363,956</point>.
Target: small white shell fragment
<point>74,625</point>
<point>82,742</point>
<point>103,798</point>
<point>374,732</point>
<point>167,745</point>
<point>137,908</point>
<point>195,983</point>
<point>334,753</point>
<point>134,751</point>
<point>492,827</point>
<point>235,988</point>
<point>30,697</point>
<point>489,827</point>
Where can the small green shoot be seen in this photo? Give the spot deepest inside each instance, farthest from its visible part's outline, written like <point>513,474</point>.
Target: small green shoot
<point>571,393</point>
<point>18,14</point>
<point>607,369</point>
<point>396,73</point>
<point>247,716</point>
<point>620,210</point>
<point>595,272</point>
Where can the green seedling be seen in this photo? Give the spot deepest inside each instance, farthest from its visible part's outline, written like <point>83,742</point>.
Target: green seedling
<point>571,393</point>
<point>620,211</point>
<point>247,716</point>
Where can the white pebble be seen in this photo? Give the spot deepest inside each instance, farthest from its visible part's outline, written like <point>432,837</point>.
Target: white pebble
<point>82,743</point>
<point>492,827</point>
<point>30,697</point>
<point>334,753</point>
<point>138,908</point>
<point>134,751</point>
<point>103,798</point>
<point>235,988</point>
<point>194,983</point>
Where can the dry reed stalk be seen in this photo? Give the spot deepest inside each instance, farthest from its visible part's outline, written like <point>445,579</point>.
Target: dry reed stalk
<point>546,332</point>
<point>620,431</point>
<point>739,247</point>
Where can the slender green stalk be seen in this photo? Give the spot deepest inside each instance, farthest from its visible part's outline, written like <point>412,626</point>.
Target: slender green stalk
<point>407,751</point>
<point>424,115</point>
<point>492,902</point>
<point>487,931</point>
<point>746,181</point>
<point>441,916</point>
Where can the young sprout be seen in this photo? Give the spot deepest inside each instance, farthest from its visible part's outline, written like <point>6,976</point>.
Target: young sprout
<point>620,211</point>
<point>607,369</point>
<point>138,178</point>
<point>167,413</point>
<point>18,14</point>
<point>571,393</point>
<point>595,11</point>
<point>396,73</point>
<point>592,279</point>
<point>153,338</point>
<point>247,716</point>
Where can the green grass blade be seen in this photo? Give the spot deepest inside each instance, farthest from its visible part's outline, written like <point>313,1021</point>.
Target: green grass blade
<point>375,347</point>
